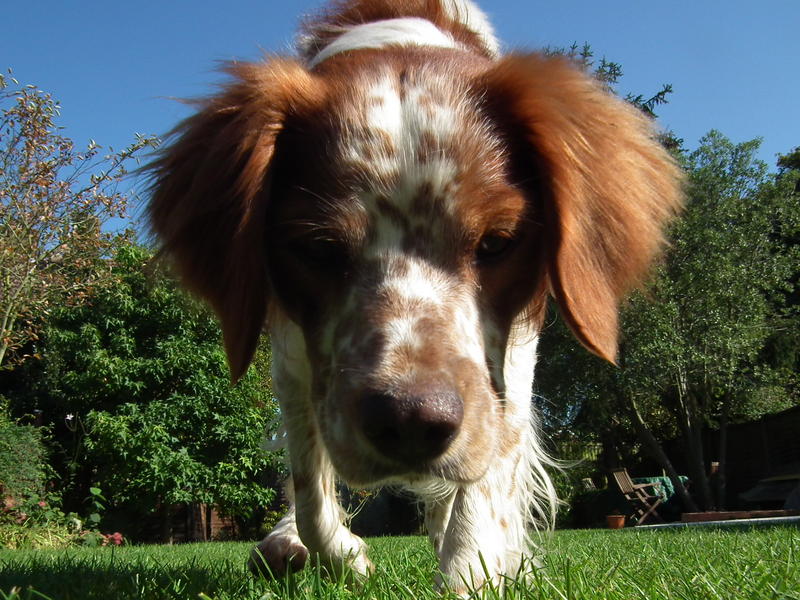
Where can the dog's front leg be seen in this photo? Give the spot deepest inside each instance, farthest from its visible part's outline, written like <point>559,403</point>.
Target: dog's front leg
<point>314,525</point>
<point>282,551</point>
<point>319,516</point>
<point>437,517</point>
<point>486,536</point>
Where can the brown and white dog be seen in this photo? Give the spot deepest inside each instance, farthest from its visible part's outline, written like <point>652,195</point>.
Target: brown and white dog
<point>394,205</point>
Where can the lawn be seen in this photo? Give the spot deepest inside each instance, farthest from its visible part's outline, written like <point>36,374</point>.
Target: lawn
<point>585,565</point>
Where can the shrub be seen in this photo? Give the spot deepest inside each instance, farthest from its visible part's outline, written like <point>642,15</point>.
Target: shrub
<point>571,492</point>
<point>23,470</point>
<point>134,387</point>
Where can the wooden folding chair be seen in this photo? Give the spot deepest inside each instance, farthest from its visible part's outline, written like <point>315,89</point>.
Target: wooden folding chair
<point>642,502</point>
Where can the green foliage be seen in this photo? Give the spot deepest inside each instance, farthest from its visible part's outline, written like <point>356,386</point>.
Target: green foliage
<point>609,73</point>
<point>704,343</point>
<point>37,521</point>
<point>135,385</point>
<point>699,330</point>
<point>27,536</point>
<point>96,502</point>
<point>569,486</point>
<point>22,458</point>
<point>54,201</point>
<point>30,512</point>
<point>790,161</point>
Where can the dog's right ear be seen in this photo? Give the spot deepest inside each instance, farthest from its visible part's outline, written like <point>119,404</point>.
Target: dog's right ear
<point>210,191</point>
<point>603,186</point>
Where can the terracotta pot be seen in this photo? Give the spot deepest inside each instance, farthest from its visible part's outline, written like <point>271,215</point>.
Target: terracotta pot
<point>615,521</point>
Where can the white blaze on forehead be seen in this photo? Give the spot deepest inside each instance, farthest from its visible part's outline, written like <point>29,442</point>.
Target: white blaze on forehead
<point>417,285</point>
<point>406,115</point>
<point>424,114</point>
<point>398,132</point>
<point>384,108</point>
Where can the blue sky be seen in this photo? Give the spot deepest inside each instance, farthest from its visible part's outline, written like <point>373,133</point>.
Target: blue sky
<point>114,65</point>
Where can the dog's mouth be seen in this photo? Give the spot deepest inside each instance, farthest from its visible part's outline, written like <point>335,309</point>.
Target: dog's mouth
<point>406,447</point>
<point>368,471</point>
<point>394,419</point>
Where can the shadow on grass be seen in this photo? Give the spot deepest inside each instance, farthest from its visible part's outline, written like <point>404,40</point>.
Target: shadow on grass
<point>206,571</point>
<point>88,577</point>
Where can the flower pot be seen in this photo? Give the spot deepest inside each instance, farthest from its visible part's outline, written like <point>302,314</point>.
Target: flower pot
<point>615,521</point>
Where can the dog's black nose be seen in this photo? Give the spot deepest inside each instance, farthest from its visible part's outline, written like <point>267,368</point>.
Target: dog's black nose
<point>411,428</point>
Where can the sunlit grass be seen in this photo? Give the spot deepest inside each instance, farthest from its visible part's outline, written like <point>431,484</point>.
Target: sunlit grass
<point>579,565</point>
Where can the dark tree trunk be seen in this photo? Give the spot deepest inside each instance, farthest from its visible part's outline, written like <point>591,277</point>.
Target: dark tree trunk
<point>167,536</point>
<point>719,480</point>
<point>693,437</point>
<point>208,521</point>
<point>657,451</point>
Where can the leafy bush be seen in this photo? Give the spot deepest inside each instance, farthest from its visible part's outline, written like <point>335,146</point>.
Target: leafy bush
<point>569,488</point>
<point>30,514</point>
<point>35,537</point>
<point>37,522</point>
<point>134,384</point>
<point>22,458</point>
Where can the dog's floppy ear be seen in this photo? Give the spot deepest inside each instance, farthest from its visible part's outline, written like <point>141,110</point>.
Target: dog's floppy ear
<point>604,186</point>
<point>210,190</point>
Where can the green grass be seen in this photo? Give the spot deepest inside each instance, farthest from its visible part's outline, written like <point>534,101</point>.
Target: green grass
<point>580,565</point>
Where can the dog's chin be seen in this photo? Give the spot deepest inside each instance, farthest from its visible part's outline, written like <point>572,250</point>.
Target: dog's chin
<point>369,471</point>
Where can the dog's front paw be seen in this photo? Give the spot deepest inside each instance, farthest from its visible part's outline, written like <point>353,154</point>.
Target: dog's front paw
<point>349,551</point>
<point>471,575</point>
<point>360,563</point>
<point>278,554</point>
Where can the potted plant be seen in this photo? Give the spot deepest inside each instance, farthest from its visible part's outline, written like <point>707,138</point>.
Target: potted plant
<point>615,520</point>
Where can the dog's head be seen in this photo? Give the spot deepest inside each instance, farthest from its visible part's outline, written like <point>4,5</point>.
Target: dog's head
<point>408,209</point>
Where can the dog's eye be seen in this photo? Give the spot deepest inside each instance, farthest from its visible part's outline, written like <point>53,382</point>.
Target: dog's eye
<point>320,253</point>
<point>494,246</point>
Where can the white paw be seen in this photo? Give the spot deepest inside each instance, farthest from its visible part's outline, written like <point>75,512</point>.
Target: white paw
<point>350,551</point>
<point>278,554</point>
<point>466,578</point>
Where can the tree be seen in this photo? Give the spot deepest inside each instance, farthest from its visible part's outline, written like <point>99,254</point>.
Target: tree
<point>782,352</point>
<point>789,161</point>
<point>134,384</point>
<point>54,202</point>
<point>712,306</point>
<point>692,343</point>
<point>609,73</point>
<point>582,397</point>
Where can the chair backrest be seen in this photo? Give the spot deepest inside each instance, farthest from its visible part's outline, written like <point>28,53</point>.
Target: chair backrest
<point>623,480</point>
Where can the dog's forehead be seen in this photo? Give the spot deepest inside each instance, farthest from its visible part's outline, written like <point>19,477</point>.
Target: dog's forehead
<point>418,155</point>
<point>403,130</point>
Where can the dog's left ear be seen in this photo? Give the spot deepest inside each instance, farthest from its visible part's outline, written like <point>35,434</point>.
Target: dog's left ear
<point>211,187</point>
<point>603,187</point>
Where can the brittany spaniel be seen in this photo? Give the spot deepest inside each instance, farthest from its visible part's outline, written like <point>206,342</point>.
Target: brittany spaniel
<point>394,205</point>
